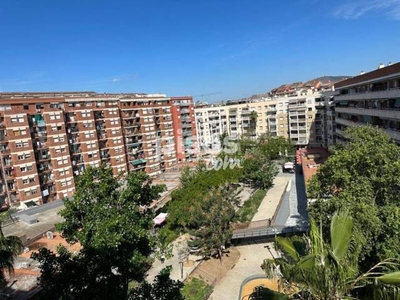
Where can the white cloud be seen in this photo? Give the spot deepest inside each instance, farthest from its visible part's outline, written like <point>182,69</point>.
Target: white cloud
<point>115,80</point>
<point>357,9</point>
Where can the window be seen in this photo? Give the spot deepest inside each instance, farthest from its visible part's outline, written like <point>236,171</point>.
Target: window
<point>25,144</point>
<point>92,154</point>
<point>26,106</point>
<point>29,168</point>
<point>22,169</point>
<point>114,122</point>
<point>32,179</point>
<point>61,173</point>
<point>18,145</point>
<point>25,181</point>
<point>85,114</point>
<point>55,139</point>
<point>52,117</point>
<point>21,157</point>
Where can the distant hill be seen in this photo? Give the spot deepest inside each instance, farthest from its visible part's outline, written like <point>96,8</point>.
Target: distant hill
<point>332,78</point>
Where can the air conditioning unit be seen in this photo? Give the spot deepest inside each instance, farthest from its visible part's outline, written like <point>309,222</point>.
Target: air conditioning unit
<point>49,235</point>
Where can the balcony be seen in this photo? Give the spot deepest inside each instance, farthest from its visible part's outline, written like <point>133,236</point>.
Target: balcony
<point>349,123</point>
<point>185,111</point>
<point>5,151</point>
<point>137,162</point>
<point>383,113</point>
<point>386,94</point>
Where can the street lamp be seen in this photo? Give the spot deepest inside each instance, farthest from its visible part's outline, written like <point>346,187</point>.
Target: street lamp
<point>182,255</point>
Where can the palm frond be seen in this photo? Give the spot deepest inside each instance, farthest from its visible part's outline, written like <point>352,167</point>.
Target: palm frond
<point>341,234</point>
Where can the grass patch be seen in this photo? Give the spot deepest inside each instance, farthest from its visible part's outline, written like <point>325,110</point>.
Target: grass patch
<point>196,289</point>
<point>249,208</point>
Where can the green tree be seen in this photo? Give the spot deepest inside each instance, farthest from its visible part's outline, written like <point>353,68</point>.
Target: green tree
<point>106,218</point>
<point>326,269</point>
<point>84,275</point>
<point>362,176</point>
<point>259,169</point>
<point>10,247</point>
<point>214,216</point>
<point>253,123</point>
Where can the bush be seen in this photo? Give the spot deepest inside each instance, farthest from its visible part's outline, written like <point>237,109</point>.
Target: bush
<point>249,209</point>
<point>196,289</point>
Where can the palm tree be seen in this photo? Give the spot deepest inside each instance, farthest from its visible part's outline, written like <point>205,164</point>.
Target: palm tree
<point>316,269</point>
<point>253,122</point>
<point>10,247</point>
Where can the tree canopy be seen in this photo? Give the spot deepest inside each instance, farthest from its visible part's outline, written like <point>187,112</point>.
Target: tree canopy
<point>325,267</point>
<point>10,247</point>
<point>106,218</point>
<point>362,177</point>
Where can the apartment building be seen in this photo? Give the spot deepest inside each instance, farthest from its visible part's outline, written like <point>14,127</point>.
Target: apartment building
<point>182,109</point>
<point>371,98</point>
<point>47,139</point>
<point>299,118</point>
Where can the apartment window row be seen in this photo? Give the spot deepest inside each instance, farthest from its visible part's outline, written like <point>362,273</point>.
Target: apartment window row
<point>63,172</point>
<point>91,145</point>
<point>55,116</point>
<point>62,161</point>
<point>31,192</point>
<point>19,132</point>
<point>17,119</point>
<point>56,128</point>
<point>21,144</point>
<point>24,156</point>
<point>89,134</point>
<point>66,182</point>
<point>28,180</point>
<point>61,150</point>
<point>58,139</point>
<point>92,154</point>
<point>26,168</point>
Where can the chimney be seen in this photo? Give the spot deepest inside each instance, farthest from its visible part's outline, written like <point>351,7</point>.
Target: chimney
<point>390,63</point>
<point>362,73</point>
<point>381,65</point>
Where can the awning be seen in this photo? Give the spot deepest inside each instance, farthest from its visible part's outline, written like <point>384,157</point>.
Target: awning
<point>160,219</point>
<point>289,165</point>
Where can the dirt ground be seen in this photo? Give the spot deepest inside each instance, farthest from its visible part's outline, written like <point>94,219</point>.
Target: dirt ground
<point>213,270</point>
<point>50,244</point>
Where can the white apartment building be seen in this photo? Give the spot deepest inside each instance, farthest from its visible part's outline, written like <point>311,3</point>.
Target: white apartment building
<point>371,98</point>
<point>300,118</point>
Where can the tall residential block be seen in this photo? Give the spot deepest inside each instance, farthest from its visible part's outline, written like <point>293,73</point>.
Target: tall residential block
<point>370,98</point>
<point>47,139</point>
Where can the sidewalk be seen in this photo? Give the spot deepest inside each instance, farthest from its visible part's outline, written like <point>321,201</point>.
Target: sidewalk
<point>251,258</point>
<point>270,202</point>
<point>188,266</point>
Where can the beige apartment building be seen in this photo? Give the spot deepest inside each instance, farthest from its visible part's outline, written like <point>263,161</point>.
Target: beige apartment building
<point>302,119</point>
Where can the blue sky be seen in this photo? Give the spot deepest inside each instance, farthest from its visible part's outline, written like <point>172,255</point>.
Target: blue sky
<point>231,48</point>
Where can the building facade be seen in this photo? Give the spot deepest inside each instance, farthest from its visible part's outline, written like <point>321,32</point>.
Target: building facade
<point>371,98</point>
<point>302,119</point>
<point>47,139</point>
